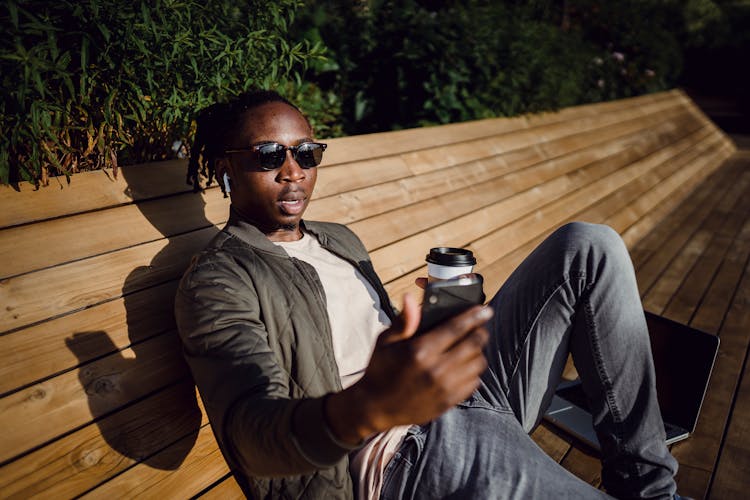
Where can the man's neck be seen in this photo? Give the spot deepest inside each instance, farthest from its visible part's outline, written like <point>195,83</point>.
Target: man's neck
<point>282,232</point>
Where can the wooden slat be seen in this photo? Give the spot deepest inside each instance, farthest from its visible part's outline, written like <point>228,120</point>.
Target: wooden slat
<point>227,489</point>
<point>639,197</point>
<point>677,231</point>
<point>357,148</point>
<point>52,292</point>
<point>645,212</point>
<point>584,194</point>
<point>732,476</point>
<point>710,313</point>
<point>47,349</point>
<point>554,444</point>
<point>577,132</point>
<point>672,196</point>
<point>678,272</point>
<point>381,230</point>
<point>584,464</point>
<point>38,414</point>
<point>91,191</point>
<point>359,204</point>
<point>82,460</point>
<point>670,280</point>
<point>650,241</point>
<point>49,243</point>
<point>685,301</point>
<point>203,465</point>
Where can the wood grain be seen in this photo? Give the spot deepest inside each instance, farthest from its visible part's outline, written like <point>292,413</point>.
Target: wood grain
<point>47,349</point>
<point>732,476</point>
<point>34,297</point>
<point>48,243</point>
<point>81,460</point>
<point>203,465</point>
<point>226,489</point>
<point>41,412</point>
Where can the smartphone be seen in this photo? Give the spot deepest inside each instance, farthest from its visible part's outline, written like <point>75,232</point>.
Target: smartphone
<point>447,298</point>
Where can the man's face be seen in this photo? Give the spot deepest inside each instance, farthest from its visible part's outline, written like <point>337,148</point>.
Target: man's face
<point>273,200</point>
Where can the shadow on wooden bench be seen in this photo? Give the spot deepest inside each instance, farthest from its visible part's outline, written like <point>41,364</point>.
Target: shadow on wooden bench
<point>94,395</point>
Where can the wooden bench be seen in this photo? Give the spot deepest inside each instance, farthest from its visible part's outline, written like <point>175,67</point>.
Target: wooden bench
<point>95,399</point>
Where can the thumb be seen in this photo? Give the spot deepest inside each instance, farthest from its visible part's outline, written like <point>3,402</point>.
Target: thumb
<point>409,316</point>
<point>406,324</point>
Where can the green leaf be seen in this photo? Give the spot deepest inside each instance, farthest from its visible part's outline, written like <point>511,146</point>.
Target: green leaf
<point>13,11</point>
<point>39,84</point>
<point>104,31</point>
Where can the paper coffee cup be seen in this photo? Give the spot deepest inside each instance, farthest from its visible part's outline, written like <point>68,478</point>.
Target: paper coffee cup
<point>448,262</point>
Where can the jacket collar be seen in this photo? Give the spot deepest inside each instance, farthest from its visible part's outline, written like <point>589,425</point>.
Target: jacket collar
<point>250,234</point>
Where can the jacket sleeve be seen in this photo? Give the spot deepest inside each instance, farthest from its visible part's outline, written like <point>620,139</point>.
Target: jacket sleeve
<point>243,388</point>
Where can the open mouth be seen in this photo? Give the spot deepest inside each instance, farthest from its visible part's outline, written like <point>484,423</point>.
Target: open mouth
<point>292,205</point>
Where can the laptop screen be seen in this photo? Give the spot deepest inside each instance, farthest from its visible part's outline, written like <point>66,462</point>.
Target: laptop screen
<point>683,358</point>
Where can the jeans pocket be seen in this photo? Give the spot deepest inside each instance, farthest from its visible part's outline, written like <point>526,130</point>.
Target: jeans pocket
<point>397,475</point>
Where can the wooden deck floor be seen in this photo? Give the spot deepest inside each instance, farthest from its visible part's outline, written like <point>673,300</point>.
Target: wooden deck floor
<point>694,267</point>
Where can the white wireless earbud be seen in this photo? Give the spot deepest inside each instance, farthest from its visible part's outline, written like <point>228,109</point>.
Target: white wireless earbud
<point>226,183</point>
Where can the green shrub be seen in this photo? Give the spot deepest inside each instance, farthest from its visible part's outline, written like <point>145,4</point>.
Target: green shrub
<point>89,84</point>
<point>411,62</point>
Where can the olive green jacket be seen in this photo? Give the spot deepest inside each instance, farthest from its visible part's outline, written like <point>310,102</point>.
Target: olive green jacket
<point>255,332</point>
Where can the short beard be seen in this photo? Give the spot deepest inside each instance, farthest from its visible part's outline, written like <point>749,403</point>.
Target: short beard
<point>288,227</point>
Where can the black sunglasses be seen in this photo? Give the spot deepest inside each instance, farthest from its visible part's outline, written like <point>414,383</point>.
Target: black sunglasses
<point>272,154</point>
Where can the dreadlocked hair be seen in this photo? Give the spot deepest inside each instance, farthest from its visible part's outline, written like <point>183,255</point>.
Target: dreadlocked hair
<point>214,133</point>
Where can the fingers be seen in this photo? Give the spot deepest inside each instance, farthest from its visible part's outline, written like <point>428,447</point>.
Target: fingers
<point>421,283</point>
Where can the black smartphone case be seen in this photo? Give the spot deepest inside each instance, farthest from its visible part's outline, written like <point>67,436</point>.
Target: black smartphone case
<point>445,299</point>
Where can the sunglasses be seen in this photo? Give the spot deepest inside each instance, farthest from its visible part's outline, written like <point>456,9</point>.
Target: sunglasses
<point>271,155</point>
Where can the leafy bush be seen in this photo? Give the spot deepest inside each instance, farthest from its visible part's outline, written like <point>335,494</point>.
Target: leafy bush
<point>98,82</point>
<point>89,84</point>
<point>411,62</point>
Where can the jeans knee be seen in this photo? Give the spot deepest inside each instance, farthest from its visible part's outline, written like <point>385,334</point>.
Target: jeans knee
<point>595,239</point>
<point>586,233</point>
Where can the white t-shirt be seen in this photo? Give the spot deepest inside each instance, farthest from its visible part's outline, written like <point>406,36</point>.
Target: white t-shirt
<point>357,318</point>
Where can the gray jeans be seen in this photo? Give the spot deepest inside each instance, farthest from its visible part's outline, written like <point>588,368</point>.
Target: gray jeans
<point>576,293</point>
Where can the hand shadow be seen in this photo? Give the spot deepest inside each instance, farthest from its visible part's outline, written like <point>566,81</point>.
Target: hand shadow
<point>141,430</point>
<point>158,424</point>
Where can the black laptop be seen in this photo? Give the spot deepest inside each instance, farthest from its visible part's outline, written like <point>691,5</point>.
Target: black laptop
<point>683,357</point>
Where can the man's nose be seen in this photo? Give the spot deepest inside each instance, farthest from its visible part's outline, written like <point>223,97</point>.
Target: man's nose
<point>290,170</point>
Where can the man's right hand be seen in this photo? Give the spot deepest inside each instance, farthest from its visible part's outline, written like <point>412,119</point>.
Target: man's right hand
<point>412,379</point>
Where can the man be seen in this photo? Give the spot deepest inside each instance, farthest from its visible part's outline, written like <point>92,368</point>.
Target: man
<point>315,388</point>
